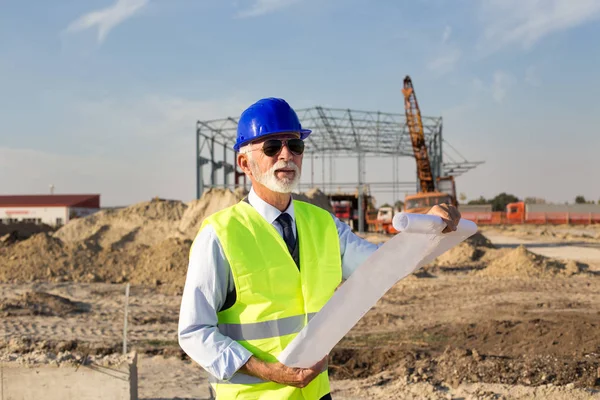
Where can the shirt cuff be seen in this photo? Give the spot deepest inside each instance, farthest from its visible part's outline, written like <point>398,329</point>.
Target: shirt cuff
<point>230,361</point>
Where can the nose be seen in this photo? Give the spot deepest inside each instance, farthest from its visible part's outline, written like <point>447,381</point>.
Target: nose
<point>285,153</point>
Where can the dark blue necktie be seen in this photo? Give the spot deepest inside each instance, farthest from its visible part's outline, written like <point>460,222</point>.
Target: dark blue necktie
<point>288,232</point>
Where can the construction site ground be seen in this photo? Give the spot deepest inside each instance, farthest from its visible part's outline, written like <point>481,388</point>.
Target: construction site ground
<point>484,321</point>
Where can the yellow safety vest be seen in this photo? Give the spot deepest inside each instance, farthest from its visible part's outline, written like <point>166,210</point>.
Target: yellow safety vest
<point>274,300</point>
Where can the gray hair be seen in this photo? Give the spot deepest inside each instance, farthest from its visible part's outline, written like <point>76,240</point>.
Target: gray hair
<point>245,149</point>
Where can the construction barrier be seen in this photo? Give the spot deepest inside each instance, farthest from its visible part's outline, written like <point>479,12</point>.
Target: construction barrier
<point>535,218</point>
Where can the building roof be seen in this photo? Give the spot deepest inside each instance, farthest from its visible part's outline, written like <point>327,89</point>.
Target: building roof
<point>51,200</point>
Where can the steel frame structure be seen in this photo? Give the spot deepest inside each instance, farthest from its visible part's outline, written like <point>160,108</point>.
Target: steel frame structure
<point>336,133</point>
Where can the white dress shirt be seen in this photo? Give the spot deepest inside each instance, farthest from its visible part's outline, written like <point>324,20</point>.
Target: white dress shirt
<point>209,280</point>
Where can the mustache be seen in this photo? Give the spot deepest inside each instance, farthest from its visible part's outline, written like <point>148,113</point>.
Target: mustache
<point>281,164</point>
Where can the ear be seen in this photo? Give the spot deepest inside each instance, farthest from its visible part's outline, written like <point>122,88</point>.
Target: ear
<point>242,161</point>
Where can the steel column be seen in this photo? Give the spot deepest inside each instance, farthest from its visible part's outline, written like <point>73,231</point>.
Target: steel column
<point>198,184</point>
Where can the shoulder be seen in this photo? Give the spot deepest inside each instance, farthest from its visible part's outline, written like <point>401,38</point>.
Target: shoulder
<point>223,216</point>
<point>308,207</point>
<point>312,212</point>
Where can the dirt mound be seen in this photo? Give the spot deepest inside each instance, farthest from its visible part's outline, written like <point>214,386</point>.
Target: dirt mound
<point>315,196</point>
<point>43,257</point>
<point>533,351</point>
<point>40,303</point>
<point>10,233</point>
<point>478,240</point>
<point>46,258</point>
<point>522,263</point>
<point>143,223</point>
<point>467,254</point>
<point>464,253</point>
<point>165,263</point>
<point>146,243</point>
<point>213,200</point>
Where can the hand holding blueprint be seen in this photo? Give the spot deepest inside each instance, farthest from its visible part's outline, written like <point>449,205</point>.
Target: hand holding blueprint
<point>419,242</point>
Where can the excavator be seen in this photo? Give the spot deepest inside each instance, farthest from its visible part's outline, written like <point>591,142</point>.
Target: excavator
<point>429,194</point>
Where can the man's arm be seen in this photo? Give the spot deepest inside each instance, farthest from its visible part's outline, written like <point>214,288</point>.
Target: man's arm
<point>353,249</point>
<point>207,284</point>
<point>277,372</point>
<point>206,287</point>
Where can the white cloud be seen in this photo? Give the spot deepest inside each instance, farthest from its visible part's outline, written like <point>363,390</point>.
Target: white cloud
<point>446,34</point>
<point>445,61</point>
<point>107,18</point>
<point>478,85</point>
<point>157,116</point>
<point>261,7</point>
<point>532,77</point>
<point>447,55</point>
<point>525,22</point>
<point>497,89</point>
<point>128,150</point>
<point>500,84</point>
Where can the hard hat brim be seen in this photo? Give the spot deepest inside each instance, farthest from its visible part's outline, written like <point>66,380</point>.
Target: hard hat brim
<point>303,135</point>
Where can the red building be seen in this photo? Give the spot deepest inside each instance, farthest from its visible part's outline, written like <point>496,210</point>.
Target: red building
<point>53,209</point>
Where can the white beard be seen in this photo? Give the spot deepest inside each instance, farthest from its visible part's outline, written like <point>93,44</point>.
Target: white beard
<point>270,180</point>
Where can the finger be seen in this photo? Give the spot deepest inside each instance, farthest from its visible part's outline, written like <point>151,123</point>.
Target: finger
<point>450,226</point>
<point>456,214</point>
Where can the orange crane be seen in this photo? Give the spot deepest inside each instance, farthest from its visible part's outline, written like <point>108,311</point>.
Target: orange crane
<point>428,195</point>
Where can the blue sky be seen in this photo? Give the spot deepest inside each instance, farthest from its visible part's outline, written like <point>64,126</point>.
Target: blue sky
<point>102,96</point>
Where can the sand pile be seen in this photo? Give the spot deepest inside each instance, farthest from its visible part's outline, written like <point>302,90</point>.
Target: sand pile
<point>143,223</point>
<point>522,263</point>
<point>213,200</point>
<point>10,233</point>
<point>164,263</point>
<point>47,259</point>
<point>463,254</point>
<point>479,240</point>
<point>146,243</point>
<point>44,257</point>
<point>467,253</point>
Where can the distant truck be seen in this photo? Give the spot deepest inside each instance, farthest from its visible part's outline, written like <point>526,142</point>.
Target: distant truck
<point>380,220</point>
<point>345,207</point>
<point>520,212</point>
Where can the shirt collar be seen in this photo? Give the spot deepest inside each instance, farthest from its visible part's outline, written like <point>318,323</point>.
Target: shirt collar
<point>268,212</point>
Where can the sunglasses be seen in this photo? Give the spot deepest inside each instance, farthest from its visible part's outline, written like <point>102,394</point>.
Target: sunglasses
<point>272,147</point>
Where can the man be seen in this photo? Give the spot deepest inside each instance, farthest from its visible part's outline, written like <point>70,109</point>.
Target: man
<point>259,270</point>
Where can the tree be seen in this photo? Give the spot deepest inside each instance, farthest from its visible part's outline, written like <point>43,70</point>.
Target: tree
<point>534,200</point>
<point>462,197</point>
<point>480,200</point>
<point>500,201</point>
<point>580,199</point>
<point>399,205</point>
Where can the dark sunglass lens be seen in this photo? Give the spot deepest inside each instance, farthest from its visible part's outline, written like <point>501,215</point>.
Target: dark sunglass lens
<point>296,146</point>
<point>272,147</point>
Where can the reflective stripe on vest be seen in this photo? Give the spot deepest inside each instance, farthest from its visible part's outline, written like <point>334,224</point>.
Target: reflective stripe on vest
<point>274,298</point>
<point>264,330</point>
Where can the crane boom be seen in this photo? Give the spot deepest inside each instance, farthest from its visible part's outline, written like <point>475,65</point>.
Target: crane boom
<point>417,137</point>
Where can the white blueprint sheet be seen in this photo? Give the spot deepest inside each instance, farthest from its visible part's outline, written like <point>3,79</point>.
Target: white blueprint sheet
<point>419,242</point>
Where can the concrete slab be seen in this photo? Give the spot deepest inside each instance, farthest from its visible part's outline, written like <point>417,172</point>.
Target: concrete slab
<point>66,382</point>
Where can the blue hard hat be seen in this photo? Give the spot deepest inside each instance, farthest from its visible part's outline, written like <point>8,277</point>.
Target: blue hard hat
<point>266,117</point>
